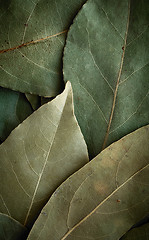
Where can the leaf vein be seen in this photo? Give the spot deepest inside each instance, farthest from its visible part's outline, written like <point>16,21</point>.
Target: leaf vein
<point>5,205</point>
<point>35,4</point>
<point>112,23</point>
<point>90,51</point>
<point>17,176</point>
<point>98,107</point>
<point>137,37</point>
<point>27,160</point>
<point>100,204</point>
<point>42,171</point>
<point>36,64</point>
<point>121,82</point>
<point>131,114</point>
<point>73,198</point>
<point>32,42</point>
<point>118,80</point>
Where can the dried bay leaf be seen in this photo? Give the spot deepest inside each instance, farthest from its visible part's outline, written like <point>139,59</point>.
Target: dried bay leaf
<point>38,156</point>
<point>104,199</point>
<point>106,60</point>
<point>34,100</point>
<point>32,40</point>
<point>140,233</point>
<point>14,108</point>
<point>10,229</point>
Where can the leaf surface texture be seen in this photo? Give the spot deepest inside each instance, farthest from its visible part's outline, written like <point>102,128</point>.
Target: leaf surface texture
<point>104,199</point>
<point>140,233</point>
<point>32,39</point>
<point>10,229</point>
<point>106,60</point>
<point>38,156</point>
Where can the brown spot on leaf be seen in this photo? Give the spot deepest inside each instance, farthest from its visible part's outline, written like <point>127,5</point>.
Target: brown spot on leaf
<point>101,188</point>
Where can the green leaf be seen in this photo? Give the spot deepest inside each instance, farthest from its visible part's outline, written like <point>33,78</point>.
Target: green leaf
<point>38,156</point>
<point>14,108</point>
<point>106,60</point>
<point>140,233</point>
<point>10,229</point>
<point>34,100</point>
<point>104,198</point>
<point>32,40</point>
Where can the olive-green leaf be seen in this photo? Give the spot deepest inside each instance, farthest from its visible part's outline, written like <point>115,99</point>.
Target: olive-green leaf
<point>10,229</point>
<point>34,100</point>
<point>140,233</point>
<point>102,200</point>
<point>14,108</point>
<point>38,156</point>
<point>106,60</point>
<point>32,39</point>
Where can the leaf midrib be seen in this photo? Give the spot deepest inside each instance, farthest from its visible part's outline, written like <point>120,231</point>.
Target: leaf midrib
<point>32,42</point>
<point>100,204</point>
<point>118,80</point>
<point>42,171</point>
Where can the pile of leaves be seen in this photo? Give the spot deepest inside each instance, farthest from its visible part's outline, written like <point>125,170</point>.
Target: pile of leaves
<point>74,153</point>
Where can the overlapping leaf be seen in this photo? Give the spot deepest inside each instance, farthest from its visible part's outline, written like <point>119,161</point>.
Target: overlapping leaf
<point>104,198</point>
<point>106,60</point>
<point>33,34</point>
<point>140,233</point>
<point>34,100</point>
<point>14,108</point>
<point>10,229</point>
<point>38,156</point>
